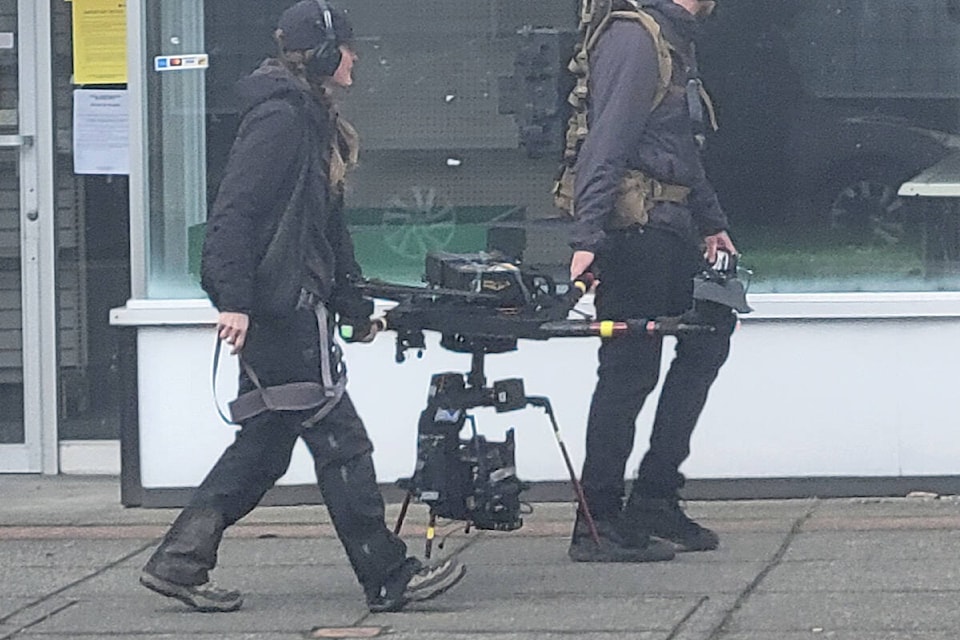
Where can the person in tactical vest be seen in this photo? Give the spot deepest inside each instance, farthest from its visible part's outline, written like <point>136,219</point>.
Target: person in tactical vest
<point>278,264</point>
<point>646,222</point>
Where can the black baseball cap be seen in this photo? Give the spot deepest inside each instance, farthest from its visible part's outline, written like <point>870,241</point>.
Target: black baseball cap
<point>303,25</point>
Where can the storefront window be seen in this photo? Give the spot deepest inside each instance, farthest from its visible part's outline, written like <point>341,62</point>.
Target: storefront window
<point>177,143</point>
<point>825,107</point>
<point>93,262</point>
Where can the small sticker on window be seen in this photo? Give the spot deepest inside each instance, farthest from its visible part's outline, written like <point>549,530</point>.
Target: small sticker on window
<point>181,63</point>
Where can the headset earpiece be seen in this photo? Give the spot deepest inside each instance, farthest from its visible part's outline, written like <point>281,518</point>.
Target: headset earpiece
<point>325,58</point>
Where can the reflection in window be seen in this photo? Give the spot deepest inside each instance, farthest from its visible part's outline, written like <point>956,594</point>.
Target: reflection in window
<point>825,107</point>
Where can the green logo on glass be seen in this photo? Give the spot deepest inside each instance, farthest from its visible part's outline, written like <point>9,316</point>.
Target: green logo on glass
<point>418,221</point>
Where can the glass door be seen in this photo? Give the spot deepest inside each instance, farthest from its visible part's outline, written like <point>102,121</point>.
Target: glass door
<point>28,399</point>
<point>11,308</point>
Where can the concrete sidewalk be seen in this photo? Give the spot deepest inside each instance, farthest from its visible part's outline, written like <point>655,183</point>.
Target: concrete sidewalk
<point>850,569</point>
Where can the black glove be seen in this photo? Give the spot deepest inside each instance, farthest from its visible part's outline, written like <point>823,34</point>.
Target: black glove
<point>348,302</point>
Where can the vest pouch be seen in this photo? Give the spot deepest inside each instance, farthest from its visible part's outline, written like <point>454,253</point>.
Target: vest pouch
<point>633,203</point>
<point>638,194</point>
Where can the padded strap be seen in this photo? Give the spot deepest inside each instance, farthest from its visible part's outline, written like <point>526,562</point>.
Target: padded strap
<point>292,396</point>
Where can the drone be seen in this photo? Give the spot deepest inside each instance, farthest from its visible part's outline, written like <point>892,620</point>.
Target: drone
<point>484,303</point>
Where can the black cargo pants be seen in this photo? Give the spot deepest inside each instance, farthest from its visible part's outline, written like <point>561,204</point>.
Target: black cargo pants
<point>647,273</point>
<point>281,351</point>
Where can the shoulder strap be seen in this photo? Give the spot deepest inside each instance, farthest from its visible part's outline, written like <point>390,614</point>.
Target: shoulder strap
<point>664,48</point>
<point>594,19</point>
<point>580,65</point>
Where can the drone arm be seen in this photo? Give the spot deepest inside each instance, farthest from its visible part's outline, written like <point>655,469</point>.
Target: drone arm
<point>662,326</point>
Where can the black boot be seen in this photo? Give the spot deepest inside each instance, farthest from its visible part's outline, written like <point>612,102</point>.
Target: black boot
<point>665,519</point>
<point>612,547</point>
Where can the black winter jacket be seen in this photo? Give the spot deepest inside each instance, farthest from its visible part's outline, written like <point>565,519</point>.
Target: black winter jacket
<point>625,134</point>
<point>283,126</point>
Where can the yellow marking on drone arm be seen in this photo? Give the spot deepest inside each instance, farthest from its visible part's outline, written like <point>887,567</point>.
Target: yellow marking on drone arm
<point>606,329</point>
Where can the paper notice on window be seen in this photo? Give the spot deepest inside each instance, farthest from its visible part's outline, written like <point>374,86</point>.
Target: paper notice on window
<point>99,41</point>
<point>101,136</point>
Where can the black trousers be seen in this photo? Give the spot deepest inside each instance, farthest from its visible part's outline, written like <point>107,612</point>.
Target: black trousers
<point>281,351</point>
<point>647,273</point>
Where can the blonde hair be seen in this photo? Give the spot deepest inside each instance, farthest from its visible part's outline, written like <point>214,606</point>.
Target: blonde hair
<point>345,153</point>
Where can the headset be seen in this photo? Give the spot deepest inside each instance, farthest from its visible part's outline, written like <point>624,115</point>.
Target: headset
<point>325,58</point>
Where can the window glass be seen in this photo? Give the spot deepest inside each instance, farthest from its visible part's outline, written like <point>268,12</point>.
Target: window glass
<point>176,141</point>
<point>93,265</point>
<point>825,108</point>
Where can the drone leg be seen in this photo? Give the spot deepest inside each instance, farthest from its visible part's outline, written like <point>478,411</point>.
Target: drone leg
<point>403,513</point>
<point>431,531</point>
<point>577,487</point>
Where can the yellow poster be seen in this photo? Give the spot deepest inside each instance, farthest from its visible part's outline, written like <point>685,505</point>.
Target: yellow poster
<point>99,41</point>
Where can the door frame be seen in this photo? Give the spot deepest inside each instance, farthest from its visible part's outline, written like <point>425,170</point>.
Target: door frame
<point>39,453</point>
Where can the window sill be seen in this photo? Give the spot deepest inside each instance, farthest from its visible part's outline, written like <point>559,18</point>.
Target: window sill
<point>767,306</point>
<point>823,306</point>
<point>146,313</point>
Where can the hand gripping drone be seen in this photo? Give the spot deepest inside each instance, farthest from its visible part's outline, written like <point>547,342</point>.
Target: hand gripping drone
<point>483,304</point>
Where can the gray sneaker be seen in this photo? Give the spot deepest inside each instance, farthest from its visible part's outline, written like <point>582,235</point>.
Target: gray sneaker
<point>430,582</point>
<point>206,597</point>
<point>424,583</point>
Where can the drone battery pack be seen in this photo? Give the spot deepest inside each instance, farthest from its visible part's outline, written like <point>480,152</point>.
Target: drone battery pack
<point>476,272</point>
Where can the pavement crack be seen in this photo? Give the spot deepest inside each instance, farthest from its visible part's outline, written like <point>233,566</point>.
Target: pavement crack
<point>721,628</point>
<point>683,621</point>
<point>47,597</point>
<point>32,623</point>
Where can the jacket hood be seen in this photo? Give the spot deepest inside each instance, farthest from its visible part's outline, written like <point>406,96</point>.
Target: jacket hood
<point>270,80</point>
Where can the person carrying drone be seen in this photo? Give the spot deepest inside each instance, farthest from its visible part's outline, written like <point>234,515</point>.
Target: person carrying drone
<point>645,219</point>
<point>278,264</point>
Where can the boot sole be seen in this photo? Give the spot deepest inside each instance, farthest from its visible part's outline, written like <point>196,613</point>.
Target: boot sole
<point>177,592</point>
<point>624,557</point>
<point>682,547</point>
<point>451,581</point>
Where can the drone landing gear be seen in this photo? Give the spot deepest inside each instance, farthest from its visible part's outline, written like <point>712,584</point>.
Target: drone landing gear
<point>474,480</point>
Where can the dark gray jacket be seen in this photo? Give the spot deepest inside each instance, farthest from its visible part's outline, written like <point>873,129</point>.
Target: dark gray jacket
<point>282,148</point>
<point>625,134</point>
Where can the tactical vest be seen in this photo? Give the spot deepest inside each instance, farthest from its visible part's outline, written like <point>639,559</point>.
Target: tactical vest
<point>638,192</point>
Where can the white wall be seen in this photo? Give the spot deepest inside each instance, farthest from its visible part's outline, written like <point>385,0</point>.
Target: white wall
<point>834,397</point>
